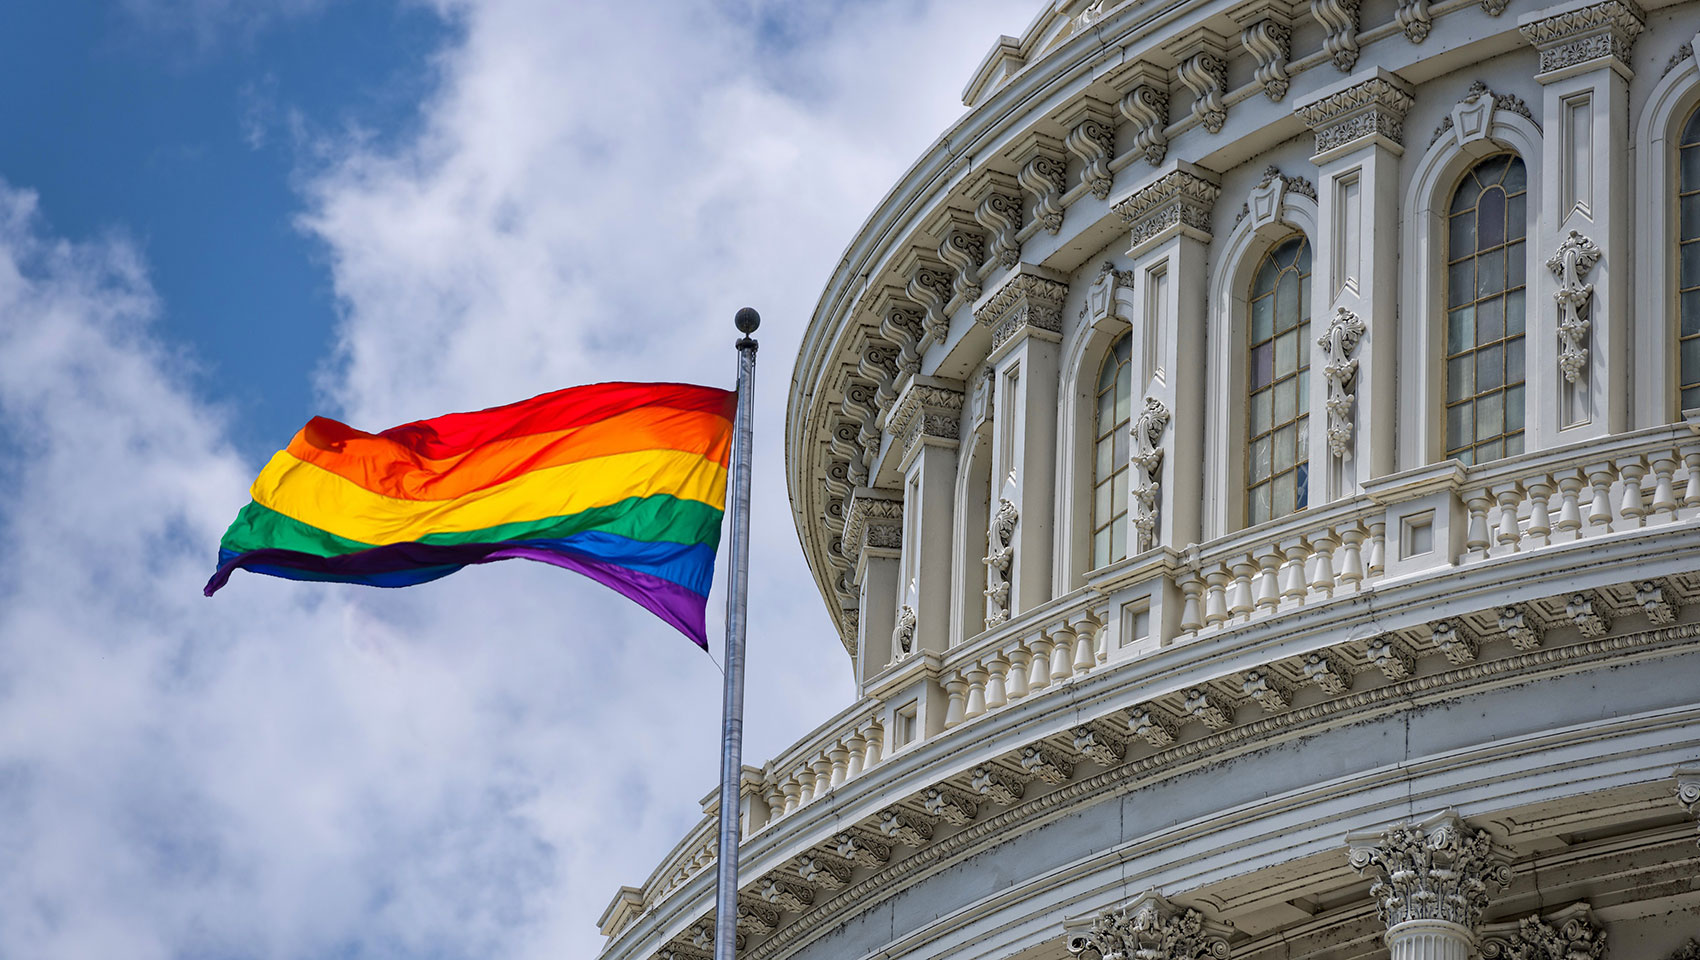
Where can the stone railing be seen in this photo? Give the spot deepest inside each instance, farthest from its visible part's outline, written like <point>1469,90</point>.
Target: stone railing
<point>1557,499</point>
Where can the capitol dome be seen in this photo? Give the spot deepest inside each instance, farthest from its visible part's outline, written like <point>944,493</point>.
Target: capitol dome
<point>1252,462</point>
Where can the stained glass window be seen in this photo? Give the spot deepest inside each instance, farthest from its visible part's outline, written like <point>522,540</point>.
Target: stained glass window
<point>1688,255</point>
<point>1485,294</point>
<point>1277,398</point>
<point>1110,454</point>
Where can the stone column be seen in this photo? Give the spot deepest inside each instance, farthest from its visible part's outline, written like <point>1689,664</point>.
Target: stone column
<point>873,536</point>
<point>1579,349</point>
<point>1169,217</point>
<point>925,423</point>
<point>1148,928</point>
<point>1431,884</point>
<point>1359,124</point>
<point>1025,315</point>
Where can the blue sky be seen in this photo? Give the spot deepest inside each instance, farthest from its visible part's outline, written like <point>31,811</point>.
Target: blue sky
<point>219,217</point>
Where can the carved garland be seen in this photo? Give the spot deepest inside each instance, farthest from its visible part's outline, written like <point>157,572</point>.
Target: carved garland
<point>1147,458</point>
<point>1338,344</point>
<point>1570,264</point>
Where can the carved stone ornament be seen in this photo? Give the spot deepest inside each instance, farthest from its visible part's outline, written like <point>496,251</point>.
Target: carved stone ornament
<point>903,637</point>
<point>1339,19</point>
<point>1092,138</point>
<point>1589,615</point>
<point>1101,302</point>
<point>998,209</point>
<point>1575,37</point>
<point>1043,174</point>
<point>1688,794</point>
<point>1570,264</point>
<point>1000,554</point>
<point>1205,73</point>
<point>964,249</point>
<point>1147,457</point>
<point>1374,108</point>
<point>1146,107</point>
<point>928,408</point>
<point>1177,202</point>
<point>1472,118</point>
<point>1150,928</point>
<point>1267,689</point>
<point>1571,934</point>
<point>874,520</point>
<point>1025,302</point>
<point>1414,19</point>
<point>1339,342</point>
<point>931,288</point>
<point>902,327</point>
<point>1688,951</point>
<point>1270,43</point>
<point>1439,869</point>
<point>1267,203</point>
<point>1152,726</point>
<point>1328,672</point>
<point>1523,631</point>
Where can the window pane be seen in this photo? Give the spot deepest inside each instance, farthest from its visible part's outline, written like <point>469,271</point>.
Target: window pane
<point>1265,277</point>
<point>1690,213</point>
<point>1120,438</point>
<point>1690,398</point>
<point>1516,263</point>
<point>1514,313</point>
<point>1690,359</point>
<point>1105,462</point>
<point>1260,408</point>
<point>1466,456</point>
<point>1461,235</point>
<point>1514,361</point>
<point>1514,410</point>
<point>1460,330</point>
<point>1490,416</point>
<point>1286,399</point>
<point>1284,448</point>
<point>1118,539</point>
<point>1260,504</point>
<point>1513,445</point>
<point>1461,377</point>
<point>1101,547</point>
<point>1282,498</point>
<point>1287,301</point>
<point>1262,319</point>
<point>1283,254</point>
<point>1303,442</point>
<point>1690,312</point>
<point>1107,373</point>
<point>1124,388</point>
<point>1461,282</point>
<point>1262,365</point>
<point>1118,494</point>
<point>1490,273</point>
<point>1260,458</point>
<point>1691,265</point>
<point>1691,166</point>
<point>1517,217</point>
<point>1286,353</point>
<point>1303,482</point>
<point>1490,320</point>
<point>1490,369</point>
<point>1460,425</point>
<point>1492,170</point>
<point>1304,257</point>
<point>1490,219</point>
<point>1516,178</point>
<point>1465,199</point>
<point>1123,348</point>
<point>1490,451</point>
<point>1101,503</point>
<point>1106,410</point>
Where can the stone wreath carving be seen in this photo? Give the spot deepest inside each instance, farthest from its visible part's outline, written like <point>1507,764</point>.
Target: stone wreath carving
<point>1147,431</point>
<point>1338,344</point>
<point>1575,257</point>
<point>1000,552</point>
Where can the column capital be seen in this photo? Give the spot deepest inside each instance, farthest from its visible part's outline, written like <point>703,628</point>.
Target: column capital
<point>1365,108</point>
<point>928,410</point>
<point>873,520</point>
<point>1568,934</point>
<point>1583,35</point>
<point>1436,870</point>
<point>1150,928</point>
<point>1177,202</point>
<point>1028,301</point>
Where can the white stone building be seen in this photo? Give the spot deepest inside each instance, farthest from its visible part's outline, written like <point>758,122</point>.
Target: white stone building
<point>1245,460</point>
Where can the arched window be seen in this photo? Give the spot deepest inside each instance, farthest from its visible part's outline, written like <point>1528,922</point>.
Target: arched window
<point>1278,391</point>
<point>1110,456</point>
<point>1485,260</point>
<point>1688,274</point>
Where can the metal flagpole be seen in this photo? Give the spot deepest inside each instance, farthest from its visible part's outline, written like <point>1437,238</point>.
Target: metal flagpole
<point>737,584</point>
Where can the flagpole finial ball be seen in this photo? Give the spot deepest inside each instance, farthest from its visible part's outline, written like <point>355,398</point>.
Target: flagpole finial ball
<point>747,320</point>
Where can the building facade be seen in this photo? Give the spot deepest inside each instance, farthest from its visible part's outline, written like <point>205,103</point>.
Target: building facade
<point>1245,460</point>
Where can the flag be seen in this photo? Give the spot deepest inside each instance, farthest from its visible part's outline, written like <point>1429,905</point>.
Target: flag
<point>622,482</point>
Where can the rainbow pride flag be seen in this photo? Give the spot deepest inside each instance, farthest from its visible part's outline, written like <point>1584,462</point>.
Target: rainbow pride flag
<point>622,482</point>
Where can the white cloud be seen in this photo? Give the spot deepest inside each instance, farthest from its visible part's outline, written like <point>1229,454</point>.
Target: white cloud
<point>469,768</point>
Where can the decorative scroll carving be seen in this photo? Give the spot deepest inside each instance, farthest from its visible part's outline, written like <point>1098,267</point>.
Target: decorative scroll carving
<point>1328,672</point>
<point>949,806</point>
<point>902,327</point>
<point>786,895</point>
<point>1454,641</point>
<point>999,211</point>
<point>1150,928</point>
<point>1208,708</point>
<point>1339,19</point>
<point>911,831</point>
<point>1270,43</point>
<point>1573,935</point>
<point>1338,343</point>
<point>1414,19</point>
<point>1094,142</point>
<point>1391,655</point>
<point>1494,8</point>
<point>1376,107</point>
<point>1023,303</point>
<point>1098,745</point>
<point>992,782</point>
<point>823,873</point>
<point>1152,726</point>
<point>1439,869</point>
<point>1575,257</point>
<point>964,250</point>
<point>1147,459</point>
<point>1588,616</point>
<point>1046,764</point>
<point>757,918</point>
<point>1267,689</point>
<point>1146,107</point>
<point>1179,201</point>
<point>1000,552</point>
<point>1653,597</point>
<point>1523,631</point>
<point>877,361</point>
<point>1579,36</point>
<point>1044,175</point>
<point>932,290</point>
<point>860,850</point>
<point>1205,73</point>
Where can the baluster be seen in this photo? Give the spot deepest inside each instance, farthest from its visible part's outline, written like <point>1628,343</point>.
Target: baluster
<point>1664,491</point>
<point>957,688</point>
<point>976,677</point>
<point>1507,495</point>
<point>1322,576</point>
<point>1351,557</point>
<point>1239,591</point>
<point>1018,660</point>
<point>1191,617</point>
<point>1216,598</point>
<point>1085,648</point>
<point>1062,652</point>
<point>1630,470</point>
<point>840,764</point>
<point>1378,548</point>
<point>1040,676</point>
<point>1293,584</point>
<point>1569,526</point>
<point>996,668</point>
<point>1476,533</point>
<point>1268,593</point>
<point>806,784</point>
<point>876,741</point>
<point>1540,518</point>
<point>1691,492</point>
<point>857,744</point>
<point>775,798</point>
<point>823,776</point>
<point>1600,476</point>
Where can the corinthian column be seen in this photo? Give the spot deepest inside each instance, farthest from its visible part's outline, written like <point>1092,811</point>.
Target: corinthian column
<point>1431,884</point>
